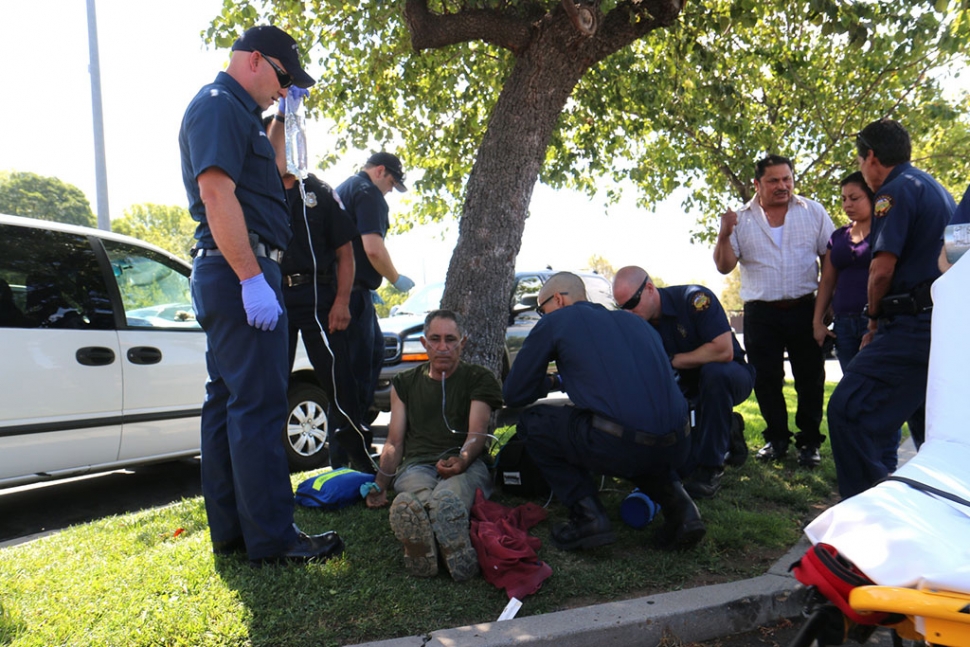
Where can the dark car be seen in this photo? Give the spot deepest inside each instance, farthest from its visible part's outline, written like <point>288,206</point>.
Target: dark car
<point>402,330</point>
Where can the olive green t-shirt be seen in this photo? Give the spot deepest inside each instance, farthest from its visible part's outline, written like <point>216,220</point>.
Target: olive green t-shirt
<point>428,437</point>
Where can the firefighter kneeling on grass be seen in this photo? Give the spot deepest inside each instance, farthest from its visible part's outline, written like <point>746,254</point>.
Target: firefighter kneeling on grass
<point>628,417</point>
<point>440,414</point>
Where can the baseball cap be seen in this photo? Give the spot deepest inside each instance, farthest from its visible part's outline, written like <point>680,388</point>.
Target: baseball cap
<point>273,41</point>
<point>393,165</point>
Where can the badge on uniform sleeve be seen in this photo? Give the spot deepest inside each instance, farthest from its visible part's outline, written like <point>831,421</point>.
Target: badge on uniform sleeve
<point>883,204</point>
<point>701,302</point>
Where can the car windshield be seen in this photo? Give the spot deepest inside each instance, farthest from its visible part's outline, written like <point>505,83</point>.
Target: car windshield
<point>424,299</point>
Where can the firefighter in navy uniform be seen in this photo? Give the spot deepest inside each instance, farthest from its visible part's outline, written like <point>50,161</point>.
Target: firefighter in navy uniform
<point>885,385</point>
<point>710,363</point>
<point>318,275</point>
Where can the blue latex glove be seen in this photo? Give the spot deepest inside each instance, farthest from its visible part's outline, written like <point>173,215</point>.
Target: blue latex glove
<point>295,94</point>
<point>262,307</point>
<point>403,283</point>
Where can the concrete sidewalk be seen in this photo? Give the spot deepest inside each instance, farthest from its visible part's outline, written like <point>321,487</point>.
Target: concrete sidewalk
<point>691,615</point>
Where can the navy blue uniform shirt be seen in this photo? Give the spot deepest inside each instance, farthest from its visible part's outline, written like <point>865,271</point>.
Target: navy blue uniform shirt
<point>222,128</point>
<point>691,316</point>
<point>612,363</point>
<point>330,227</point>
<point>910,211</point>
<point>366,205</point>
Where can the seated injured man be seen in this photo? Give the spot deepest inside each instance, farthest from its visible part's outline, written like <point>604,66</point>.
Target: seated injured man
<point>440,415</point>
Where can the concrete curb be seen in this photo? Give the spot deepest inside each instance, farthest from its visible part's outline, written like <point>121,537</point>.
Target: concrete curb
<point>690,615</point>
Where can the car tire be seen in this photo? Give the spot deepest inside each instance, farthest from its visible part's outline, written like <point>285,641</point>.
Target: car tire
<point>306,434</point>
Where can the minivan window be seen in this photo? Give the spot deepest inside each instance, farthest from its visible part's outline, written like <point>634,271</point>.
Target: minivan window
<point>154,288</point>
<point>51,279</point>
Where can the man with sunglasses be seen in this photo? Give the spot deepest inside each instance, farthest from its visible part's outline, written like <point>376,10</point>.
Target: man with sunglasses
<point>627,419</point>
<point>713,375</point>
<point>363,197</point>
<point>235,192</point>
<point>778,238</point>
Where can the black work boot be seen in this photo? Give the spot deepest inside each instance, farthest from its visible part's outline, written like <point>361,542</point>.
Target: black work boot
<point>682,527</point>
<point>704,482</point>
<point>354,443</point>
<point>738,449</point>
<point>588,527</point>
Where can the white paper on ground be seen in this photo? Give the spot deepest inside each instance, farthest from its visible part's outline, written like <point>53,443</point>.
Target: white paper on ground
<point>510,609</point>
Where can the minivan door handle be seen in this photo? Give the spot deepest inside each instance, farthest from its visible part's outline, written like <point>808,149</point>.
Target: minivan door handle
<point>94,356</point>
<point>144,355</point>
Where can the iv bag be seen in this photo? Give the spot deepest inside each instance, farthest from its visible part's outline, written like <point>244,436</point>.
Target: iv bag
<point>295,129</point>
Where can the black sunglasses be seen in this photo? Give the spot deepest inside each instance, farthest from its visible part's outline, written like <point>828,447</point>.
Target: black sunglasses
<point>545,301</point>
<point>634,301</point>
<point>285,79</point>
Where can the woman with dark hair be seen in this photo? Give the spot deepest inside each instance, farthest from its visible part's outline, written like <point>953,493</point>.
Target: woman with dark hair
<point>845,280</point>
<point>845,273</point>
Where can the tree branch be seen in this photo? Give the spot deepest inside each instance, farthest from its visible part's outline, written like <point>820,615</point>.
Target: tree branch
<point>509,29</point>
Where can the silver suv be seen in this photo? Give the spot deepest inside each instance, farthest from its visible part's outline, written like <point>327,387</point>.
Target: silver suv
<point>103,362</point>
<point>402,330</point>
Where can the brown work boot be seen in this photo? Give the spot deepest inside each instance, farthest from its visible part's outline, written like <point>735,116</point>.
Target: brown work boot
<point>449,521</point>
<point>412,527</point>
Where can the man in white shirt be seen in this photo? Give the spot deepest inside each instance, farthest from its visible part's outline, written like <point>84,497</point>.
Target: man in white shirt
<point>779,238</point>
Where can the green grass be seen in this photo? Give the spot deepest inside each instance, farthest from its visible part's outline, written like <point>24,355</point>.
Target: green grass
<point>131,580</point>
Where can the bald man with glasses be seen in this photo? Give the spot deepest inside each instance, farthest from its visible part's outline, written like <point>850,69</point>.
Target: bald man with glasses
<point>627,418</point>
<point>713,374</point>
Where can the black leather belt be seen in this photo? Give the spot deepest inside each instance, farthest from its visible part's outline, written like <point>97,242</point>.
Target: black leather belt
<point>259,249</point>
<point>293,280</point>
<point>639,437</point>
<point>785,304</point>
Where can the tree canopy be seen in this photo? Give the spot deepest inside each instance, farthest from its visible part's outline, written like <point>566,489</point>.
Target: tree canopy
<point>487,96</point>
<point>168,227</point>
<point>46,198</point>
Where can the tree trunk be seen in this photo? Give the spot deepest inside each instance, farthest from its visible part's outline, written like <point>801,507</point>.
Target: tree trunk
<point>499,190</point>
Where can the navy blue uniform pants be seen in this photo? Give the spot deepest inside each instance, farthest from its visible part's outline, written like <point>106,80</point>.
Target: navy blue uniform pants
<point>884,386</point>
<point>768,332</point>
<point>329,353</point>
<point>721,387</point>
<point>245,480</point>
<point>366,346</point>
<point>568,450</point>
<point>849,331</point>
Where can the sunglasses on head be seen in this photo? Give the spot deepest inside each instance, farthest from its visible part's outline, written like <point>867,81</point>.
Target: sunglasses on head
<point>634,301</point>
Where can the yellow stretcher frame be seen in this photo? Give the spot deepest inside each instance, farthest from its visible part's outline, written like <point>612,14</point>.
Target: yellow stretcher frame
<point>943,615</point>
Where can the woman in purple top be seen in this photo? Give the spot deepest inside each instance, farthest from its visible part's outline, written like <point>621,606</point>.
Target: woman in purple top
<point>845,282</point>
<point>845,274</point>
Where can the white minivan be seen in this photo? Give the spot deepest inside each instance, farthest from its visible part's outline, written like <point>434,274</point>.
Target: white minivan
<point>102,363</point>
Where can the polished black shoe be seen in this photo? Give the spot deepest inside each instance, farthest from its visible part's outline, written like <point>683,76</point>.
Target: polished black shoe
<point>307,548</point>
<point>683,528</point>
<point>773,451</point>
<point>704,482</point>
<point>738,449</point>
<point>588,527</point>
<point>808,456</point>
<point>235,546</point>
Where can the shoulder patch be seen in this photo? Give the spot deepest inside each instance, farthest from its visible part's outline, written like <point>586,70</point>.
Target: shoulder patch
<point>701,302</point>
<point>883,204</point>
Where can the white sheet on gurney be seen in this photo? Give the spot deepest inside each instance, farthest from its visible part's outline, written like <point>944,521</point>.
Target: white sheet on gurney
<point>898,535</point>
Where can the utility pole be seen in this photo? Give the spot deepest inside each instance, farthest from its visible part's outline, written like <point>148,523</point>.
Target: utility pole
<point>100,167</point>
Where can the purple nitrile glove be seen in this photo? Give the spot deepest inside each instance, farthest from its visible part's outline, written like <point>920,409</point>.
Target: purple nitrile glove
<point>262,307</point>
<point>295,94</point>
